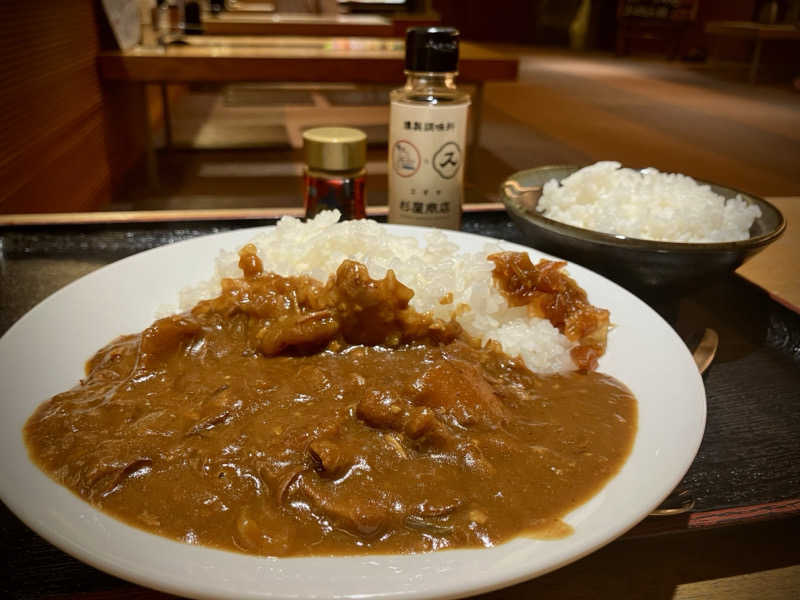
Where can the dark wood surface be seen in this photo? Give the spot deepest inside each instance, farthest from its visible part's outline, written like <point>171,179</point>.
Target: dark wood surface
<point>297,59</point>
<point>238,22</point>
<point>752,30</point>
<point>68,138</point>
<point>747,469</point>
<point>246,23</point>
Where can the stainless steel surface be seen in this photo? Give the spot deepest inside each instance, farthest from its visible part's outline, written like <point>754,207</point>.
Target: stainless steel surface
<point>706,350</point>
<point>679,502</point>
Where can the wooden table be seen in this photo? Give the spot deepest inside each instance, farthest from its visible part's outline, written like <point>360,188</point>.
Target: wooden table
<point>248,23</point>
<point>746,475</point>
<point>758,32</point>
<point>237,22</point>
<point>220,59</point>
<point>313,59</point>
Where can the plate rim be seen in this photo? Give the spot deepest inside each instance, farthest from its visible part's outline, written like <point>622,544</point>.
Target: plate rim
<point>511,577</point>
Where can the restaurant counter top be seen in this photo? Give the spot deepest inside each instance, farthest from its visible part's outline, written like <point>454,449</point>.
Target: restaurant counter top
<point>747,468</point>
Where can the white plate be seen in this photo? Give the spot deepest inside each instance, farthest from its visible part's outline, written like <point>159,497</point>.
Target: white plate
<point>44,353</point>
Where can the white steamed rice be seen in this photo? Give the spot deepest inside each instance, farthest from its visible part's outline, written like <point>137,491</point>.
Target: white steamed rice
<point>646,204</point>
<point>317,247</point>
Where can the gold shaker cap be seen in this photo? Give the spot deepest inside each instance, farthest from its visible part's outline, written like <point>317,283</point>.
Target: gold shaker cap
<point>335,148</point>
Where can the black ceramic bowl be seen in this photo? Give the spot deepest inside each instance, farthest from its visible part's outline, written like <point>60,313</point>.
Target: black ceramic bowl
<point>635,263</point>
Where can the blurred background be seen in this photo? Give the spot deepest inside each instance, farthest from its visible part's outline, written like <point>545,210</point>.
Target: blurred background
<point>707,88</point>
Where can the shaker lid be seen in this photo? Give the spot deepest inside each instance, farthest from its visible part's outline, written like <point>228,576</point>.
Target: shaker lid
<point>432,49</point>
<point>335,148</point>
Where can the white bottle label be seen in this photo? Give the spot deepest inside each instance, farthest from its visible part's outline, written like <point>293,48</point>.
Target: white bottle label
<point>427,148</point>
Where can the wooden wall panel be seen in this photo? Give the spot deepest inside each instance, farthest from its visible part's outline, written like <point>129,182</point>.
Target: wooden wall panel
<point>505,21</point>
<point>65,137</point>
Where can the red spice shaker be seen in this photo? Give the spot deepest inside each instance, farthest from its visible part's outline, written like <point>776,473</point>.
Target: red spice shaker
<point>335,175</point>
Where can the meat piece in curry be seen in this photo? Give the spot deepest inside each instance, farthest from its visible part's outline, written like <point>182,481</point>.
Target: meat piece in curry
<point>291,417</point>
<point>550,293</point>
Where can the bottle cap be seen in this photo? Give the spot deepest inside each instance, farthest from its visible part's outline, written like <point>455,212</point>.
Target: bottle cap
<point>335,148</point>
<point>432,49</point>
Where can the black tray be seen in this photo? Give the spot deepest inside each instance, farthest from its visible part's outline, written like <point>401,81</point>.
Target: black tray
<point>749,456</point>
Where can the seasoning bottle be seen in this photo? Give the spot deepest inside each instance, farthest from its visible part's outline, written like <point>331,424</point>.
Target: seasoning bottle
<point>334,175</point>
<point>428,132</point>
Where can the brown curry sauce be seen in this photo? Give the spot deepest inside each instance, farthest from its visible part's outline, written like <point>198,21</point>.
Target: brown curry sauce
<point>290,417</point>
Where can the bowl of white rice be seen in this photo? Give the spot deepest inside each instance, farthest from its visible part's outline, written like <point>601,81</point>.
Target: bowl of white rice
<point>641,227</point>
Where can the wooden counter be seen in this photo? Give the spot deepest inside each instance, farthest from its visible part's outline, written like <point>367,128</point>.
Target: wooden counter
<point>758,32</point>
<point>221,59</point>
<point>290,59</point>
<point>246,23</point>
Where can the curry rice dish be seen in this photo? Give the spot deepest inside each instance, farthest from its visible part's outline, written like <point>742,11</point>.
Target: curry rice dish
<point>292,417</point>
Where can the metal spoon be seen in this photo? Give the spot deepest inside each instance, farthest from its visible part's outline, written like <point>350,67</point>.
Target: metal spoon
<point>706,350</point>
